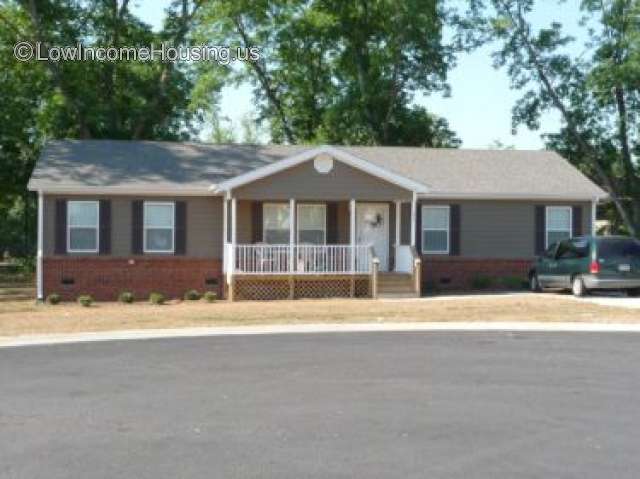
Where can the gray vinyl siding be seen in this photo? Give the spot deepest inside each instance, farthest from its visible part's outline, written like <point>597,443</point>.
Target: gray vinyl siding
<point>303,182</point>
<point>204,224</point>
<point>500,229</point>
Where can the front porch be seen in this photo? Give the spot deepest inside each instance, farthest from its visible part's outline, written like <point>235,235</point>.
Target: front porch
<point>334,248</point>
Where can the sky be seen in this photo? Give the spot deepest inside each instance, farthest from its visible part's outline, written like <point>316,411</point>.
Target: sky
<point>479,108</point>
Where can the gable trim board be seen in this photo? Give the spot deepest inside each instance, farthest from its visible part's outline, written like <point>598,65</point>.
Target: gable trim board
<point>343,156</point>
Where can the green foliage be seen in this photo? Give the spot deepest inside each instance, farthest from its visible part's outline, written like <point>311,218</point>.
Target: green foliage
<point>126,297</point>
<point>157,298</point>
<point>53,298</point>
<point>210,296</point>
<point>87,99</point>
<point>85,300</point>
<point>481,281</point>
<point>595,89</point>
<point>430,287</point>
<point>514,282</point>
<point>338,72</point>
<point>192,295</point>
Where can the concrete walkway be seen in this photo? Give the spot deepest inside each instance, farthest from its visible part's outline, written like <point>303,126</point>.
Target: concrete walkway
<point>34,340</point>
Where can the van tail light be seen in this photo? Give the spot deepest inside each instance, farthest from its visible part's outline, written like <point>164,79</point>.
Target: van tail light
<point>594,267</point>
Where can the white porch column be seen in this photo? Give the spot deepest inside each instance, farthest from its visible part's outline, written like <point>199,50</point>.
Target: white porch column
<point>414,209</point>
<point>292,234</point>
<point>352,232</point>
<point>594,216</point>
<point>234,228</point>
<point>398,219</point>
<point>39,285</point>
<point>225,237</point>
<point>396,248</point>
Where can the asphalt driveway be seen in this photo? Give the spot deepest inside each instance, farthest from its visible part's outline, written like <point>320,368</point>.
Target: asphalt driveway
<point>371,405</point>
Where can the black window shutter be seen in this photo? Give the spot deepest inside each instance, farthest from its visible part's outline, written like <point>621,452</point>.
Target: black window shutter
<point>181,228</point>
<point>256,221</point>
<point>540,227</point>
<point>419,229</point>
<point>61,227</point>
<point>332,222</point>
<point>405,223</point>
<point>105,227</point>
<point>577,221</point>
<point>454,227</point>
<point>136,227</point>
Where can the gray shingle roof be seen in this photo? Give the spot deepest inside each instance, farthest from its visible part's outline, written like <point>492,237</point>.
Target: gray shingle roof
<point>130,166</point>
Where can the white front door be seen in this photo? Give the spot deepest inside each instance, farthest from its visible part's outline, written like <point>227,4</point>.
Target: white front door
<point>372,228</point>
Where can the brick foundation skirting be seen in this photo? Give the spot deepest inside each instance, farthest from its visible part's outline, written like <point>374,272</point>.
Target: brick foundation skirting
<point>106,278</point>
<point>461,273</point>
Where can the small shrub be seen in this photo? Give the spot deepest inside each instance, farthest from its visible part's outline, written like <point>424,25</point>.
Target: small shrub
<point>157,298</point>
<point>192,295</point>
<point>210,296</point>
<point>481,282</point>
<point>53,298</point>
<point>85,300</point>
<point>430,287</point>
<point>513,282</point>
<point>126,297</point>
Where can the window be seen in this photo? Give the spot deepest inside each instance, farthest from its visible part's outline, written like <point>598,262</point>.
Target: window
<point>609,248</point>
<point>574,249</point>
<point>312,224</point>
<point>82,226</point>
<point>275,222</point>
<point>435,229</point>
<point>550,253</point>
<point>159,231</point>
<point>558,224</point>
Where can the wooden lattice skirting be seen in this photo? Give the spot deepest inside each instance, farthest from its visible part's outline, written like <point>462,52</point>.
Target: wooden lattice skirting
<point>275,287</point>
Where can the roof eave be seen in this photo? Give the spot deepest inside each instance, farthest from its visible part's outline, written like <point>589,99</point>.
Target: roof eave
<point>513,196</point>
<point>61,189</point>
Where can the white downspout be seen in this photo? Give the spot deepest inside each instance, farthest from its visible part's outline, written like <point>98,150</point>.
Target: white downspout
<point>225,238</point>
<point>397,245</point>
<point>594,216</point>
<point>40,252</point>
<point>292,233</point>
<point>414,201</point>
<point>352,233</point>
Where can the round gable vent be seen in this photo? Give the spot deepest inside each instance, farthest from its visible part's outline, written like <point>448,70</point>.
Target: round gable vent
<point>323,164</point>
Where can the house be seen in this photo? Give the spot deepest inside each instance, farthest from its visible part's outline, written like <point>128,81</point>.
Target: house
<point>265,222</point>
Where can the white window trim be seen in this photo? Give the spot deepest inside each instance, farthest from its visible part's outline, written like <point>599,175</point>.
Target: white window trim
<point>275,203</point>
<point>424,228</point>
<point>547,230</point>
<point>97,227</point>
<point>324,226</point>
<point>173,226</point>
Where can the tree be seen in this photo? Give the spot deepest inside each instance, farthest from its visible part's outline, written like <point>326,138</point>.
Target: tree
<point>598,98</point>
<point>89,99</point>
<point>340,71</point>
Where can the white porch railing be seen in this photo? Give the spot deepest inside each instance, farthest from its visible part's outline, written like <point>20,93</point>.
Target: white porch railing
<point>307,259</point>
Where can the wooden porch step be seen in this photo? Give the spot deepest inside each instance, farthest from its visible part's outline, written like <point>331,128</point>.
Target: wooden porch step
<point>397,295</point>
<point>396,285</point>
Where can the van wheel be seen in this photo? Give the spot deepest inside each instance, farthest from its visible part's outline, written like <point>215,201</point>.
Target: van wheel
<point>534,283</point>
<point>578,288</point>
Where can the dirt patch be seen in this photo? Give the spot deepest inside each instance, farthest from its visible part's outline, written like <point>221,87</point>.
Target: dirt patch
<point>25,317</point>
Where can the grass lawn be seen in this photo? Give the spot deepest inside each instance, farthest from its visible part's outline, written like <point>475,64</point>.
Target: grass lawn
<point>25,317</point>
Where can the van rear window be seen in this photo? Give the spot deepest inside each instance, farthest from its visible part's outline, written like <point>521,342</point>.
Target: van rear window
<point>619,248</point>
